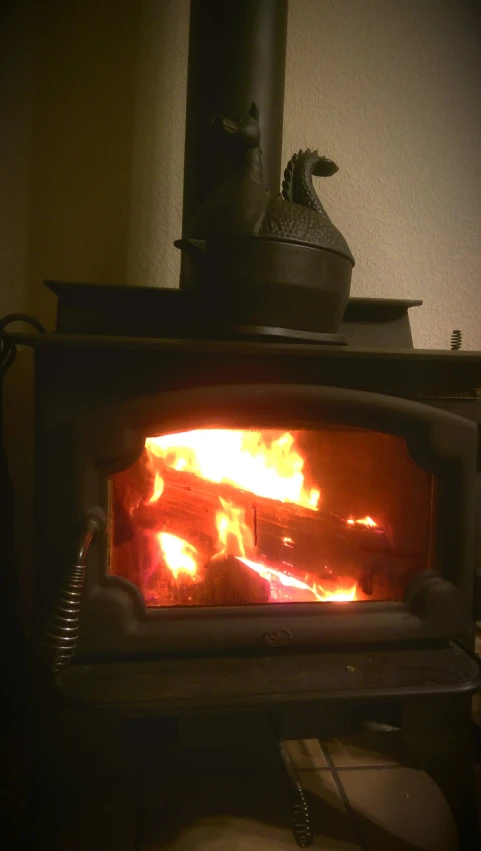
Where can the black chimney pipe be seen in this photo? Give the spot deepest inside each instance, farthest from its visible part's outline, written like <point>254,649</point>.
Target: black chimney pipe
<point>237,52</point>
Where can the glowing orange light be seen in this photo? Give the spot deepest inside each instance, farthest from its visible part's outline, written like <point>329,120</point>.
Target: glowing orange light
<point>363,521</point>
<point>234,534</point>
<point>314,592</point>
<point>279,582</point>
<point>179,556</point>
<point>158,489</point>
<point>266,464</point>
<point>236,539</point>
<point>340,595</point>
<point>268,468</point>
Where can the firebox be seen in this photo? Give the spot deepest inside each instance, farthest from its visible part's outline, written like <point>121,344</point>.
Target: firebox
<point>213,517</point>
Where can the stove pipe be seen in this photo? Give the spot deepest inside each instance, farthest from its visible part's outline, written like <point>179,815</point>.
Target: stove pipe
<point>237,52</point>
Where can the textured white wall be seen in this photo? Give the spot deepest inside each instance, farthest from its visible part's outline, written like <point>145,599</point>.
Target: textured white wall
<point>391,89</point>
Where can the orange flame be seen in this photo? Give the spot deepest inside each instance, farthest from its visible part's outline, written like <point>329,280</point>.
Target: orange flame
<point>234,534</point>
<point>242,458</point>
<point>278,580</point>
<point>236,538</point>
<point>340,595</point>
<point>179,556</point>
<point>363,521</point>
<point>264,463</point>
<point>158,489</point>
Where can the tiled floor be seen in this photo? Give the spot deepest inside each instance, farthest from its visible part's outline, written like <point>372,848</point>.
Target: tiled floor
<point>360,798</point>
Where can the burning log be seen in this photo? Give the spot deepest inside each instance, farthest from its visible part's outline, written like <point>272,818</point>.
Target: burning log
<point>189,502</point>
<point>192,496</point>
<point>304,540</point>
<point>214,525</point>
<point>229,582</point>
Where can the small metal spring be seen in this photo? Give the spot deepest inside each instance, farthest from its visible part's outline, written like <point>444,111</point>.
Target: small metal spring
<point>456,340</point>
<point>301,823</point>
<point>59,641</point>
<point>60,637</point>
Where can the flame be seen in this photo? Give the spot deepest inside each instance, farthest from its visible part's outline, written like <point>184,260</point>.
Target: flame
<point>340,595</point>
<point>179,556</point>
<point>236,537</point>
<point>266,464</point>
<point>271,469</point>
<point>158,489</point>
<point>234,533</point>
<point>277,579</point>
<point>363,521</point>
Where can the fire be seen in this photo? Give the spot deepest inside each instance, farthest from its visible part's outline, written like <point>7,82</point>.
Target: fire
<point>158,489</point>
<point>266,464</point>
<point>340,595</point>
<point>179,556</point>
<point>363,521</point>
<point>271,469</point>
<point>278,580</point>
<point>236,538</point>
<point>182,557</point>
<point>234,534</point>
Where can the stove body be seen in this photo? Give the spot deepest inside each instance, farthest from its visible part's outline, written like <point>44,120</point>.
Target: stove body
<point>356,600</point>
<point>292,545</point>
<point>275,481</point>
<point>377,546</point>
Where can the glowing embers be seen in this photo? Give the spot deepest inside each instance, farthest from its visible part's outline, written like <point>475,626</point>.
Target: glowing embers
<point>363,521</point>
<point>286,588</point>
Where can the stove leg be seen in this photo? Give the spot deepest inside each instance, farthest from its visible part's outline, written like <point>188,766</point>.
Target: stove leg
<point>437,736</point>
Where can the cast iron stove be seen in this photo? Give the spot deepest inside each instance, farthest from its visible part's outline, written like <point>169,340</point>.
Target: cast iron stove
<point>253,495</point>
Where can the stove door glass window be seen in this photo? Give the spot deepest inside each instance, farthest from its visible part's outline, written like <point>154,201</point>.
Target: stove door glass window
<point>223,517</point>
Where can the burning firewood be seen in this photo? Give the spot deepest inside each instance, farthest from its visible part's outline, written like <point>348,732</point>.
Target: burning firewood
<point>229,582</point>
<point>210,541</point>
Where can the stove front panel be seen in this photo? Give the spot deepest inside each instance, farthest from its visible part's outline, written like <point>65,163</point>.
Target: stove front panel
<point>250,516</point>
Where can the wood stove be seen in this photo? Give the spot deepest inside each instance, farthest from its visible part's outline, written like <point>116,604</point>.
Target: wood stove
<point>291,527</point>
<point>244,514</point>
<point>290,510</point>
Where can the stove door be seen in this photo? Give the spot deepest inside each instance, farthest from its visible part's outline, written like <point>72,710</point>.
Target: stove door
<point>327,511</point>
